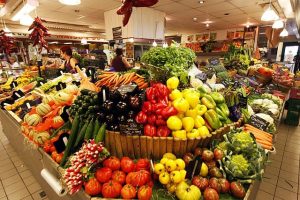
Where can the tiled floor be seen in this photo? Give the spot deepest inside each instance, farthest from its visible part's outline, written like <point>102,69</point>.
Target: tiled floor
<point>281,178</point>
<point>16,181</point>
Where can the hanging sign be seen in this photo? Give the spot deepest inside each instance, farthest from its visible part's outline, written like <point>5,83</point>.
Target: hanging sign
<point>117,33</point>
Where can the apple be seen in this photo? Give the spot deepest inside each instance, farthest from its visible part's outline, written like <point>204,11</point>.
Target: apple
<point>207,155</point>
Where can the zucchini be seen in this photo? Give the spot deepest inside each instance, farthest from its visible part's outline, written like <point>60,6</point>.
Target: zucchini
<point>81,134</point>
<point>101,133</point>
<point>66,126</point>
<point>96,129</point>
<point>89,131</point>
<point>71,140</point>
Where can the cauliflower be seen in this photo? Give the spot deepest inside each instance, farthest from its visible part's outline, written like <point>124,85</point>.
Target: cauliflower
<point>241,141</point>
<point>238,165</point>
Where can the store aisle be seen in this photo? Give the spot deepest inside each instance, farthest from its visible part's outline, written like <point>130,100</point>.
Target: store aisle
<point>16,181</point>
<point>281,180</point>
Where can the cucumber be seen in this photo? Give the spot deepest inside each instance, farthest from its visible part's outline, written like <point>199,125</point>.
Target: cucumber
<point>66,126</point>
<point>89,131</point>
<point>101,134</point>
<point>96,129</point>
<point>71,140</point>
<point>81,134</point>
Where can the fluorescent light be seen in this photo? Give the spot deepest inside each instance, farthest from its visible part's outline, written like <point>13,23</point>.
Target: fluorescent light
<point>68,43</point>
<point>131,40</point>
<point>53,42</point>
<point>83,41</point>
<point>284,33</point>
<point>26,9</point>
<point>278,24</point>
<point>269,15</point>
<point>70,2</point>
<point>26,20</point>
<point>154,44</point>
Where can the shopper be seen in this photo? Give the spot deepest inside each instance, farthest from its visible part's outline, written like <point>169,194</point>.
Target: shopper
<point>69,64</point>
<point>119,62</point>
<point>13,62</point>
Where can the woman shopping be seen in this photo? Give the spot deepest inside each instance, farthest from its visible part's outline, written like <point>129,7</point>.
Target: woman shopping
<point>119,62</point>
<point>69,64</point>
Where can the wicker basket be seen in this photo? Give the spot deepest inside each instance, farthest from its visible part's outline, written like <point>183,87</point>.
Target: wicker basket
<point>154,147</point>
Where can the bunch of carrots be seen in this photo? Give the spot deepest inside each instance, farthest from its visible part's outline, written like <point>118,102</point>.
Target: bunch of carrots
<point>114,79</point>
<point>263,138</point>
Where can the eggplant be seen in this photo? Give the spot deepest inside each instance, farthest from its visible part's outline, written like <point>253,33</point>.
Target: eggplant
<point>110,118</point>
<point>113,127</point>
<point>124,97</point>
<point>121,118</point>
<point>115,96</point>
<point>131,114</point>
<point>104,94</point>
<point>101,116</point>
<point>135,102</point>
<point>108,106</point>
<point>122,107</point>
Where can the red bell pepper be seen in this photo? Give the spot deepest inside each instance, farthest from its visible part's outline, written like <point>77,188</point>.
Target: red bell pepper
<point>150,130</point>
<point>152,119</point>
<point>157,106</point>
<point>160,121</point>
<point>151,93</point>
<point>147,107</point>
<point>141,118</point>
<point>163,131</point>
<point>169,111</point>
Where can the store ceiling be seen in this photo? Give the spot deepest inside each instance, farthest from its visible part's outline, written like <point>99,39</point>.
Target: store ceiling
<point>180,13</point>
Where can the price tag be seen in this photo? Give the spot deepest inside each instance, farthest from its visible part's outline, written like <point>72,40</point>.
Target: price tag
<point>76,83</point>
<point>65,115</point>
<point>214,61</point>
<point>61,143</point>
<point>258,122</point>
<point>17,94</point>
<point>28,105</point>
<point>202,77</point>
<point>13,84</point>
<point>61,86</point>
<point>7,102</point>
<point>131,128</point>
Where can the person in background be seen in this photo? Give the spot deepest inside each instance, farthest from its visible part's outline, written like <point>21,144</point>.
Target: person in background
<point>69,64</point>
<point>13,62</point>
<point>119,63</point>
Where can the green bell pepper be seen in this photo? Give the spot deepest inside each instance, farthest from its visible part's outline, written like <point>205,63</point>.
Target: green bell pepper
<point>208,101</point>
<point>223,107</point>
<point>217,97</point>
<point>212,119</point>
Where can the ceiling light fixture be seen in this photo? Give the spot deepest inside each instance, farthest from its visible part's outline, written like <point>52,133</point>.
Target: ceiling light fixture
<point>154,44</point>
<point>131,40</point>
<point>83,41</point>
<point>269,14</point>
<point>195,19</point>
<point>70,2</point>
<point>201,2</point>
<point>26,20</point>
<point>278,24</point>
<point>26,9</point>
<point>284,32</point>
<point>207,25</point>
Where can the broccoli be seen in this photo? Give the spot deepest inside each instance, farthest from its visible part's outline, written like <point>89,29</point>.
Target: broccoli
<point>242,140</point>
<point>239,165</point>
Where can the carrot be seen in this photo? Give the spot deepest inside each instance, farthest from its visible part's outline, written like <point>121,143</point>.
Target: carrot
<point>139,76</point>
<point>250,127</point>
<point>261,135</point>
<point>264,144</point>
<point>145,85</point>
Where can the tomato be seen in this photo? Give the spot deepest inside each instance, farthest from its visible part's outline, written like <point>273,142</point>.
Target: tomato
<point>119,176</point>
<point>140,178</point>
<point>145,193</point>
<point>54,154</point>
<point>150,183</point>
<point>111,189</point>
<point>59,158</point>
<point>103,174</point>
<point>54,139</point>
<point>130,177</point>
<point>237,190</point>
<point>52,148</point>
<point>112,162</point>
<point>127,165</point>
<point>47,146</point>
<point>142,164</point>
<point>211,194</point>
<point>128,192</point>
<point>93,187</point>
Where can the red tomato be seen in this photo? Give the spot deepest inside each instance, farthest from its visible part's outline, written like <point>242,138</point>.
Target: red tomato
<point>130,177</point>
<point>140,178</point>
<point>127,165</point>
<point>52,148</point>
<point>111,189</point>
<point>142,164</point>
<point>93,187</point>
<point>59,158</point>
<point>112,162</point>
<point>150,183</point>
<point>47,146</point>
<point>128,192</point>
<point>54,154</point>
<point>145,193</point>
<point>119,176</point>
<point>103,174</point>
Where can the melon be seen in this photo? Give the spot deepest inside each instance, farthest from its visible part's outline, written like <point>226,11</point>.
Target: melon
<point>72,89</point>
<point>26,117</point>
<point>41,137</point>
<point>62,97</point>
<point>48,98</point>
<point>32,134</point>
<point>43,109</point>
<point>57,122</point>
<point>33,120</point>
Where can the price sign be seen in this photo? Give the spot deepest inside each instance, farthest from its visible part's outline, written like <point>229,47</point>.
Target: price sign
<point>40,83</point>
<point>13,84</point>
<point>214,61</point>
<point>131,128</point>
<point>61,143</point>
<point>61,86</point>
<point>258,122</point>
<point>202,77</point>
<point>17,94</point>
<point>65,115</point>
<point>76,83</point>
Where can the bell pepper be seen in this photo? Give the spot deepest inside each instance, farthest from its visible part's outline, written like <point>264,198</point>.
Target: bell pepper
<point>181,134</point>
<point>147,107</point>
<point>168,112</point>
<point>221,115</point>
<point>151,119</point>
<point>163,131</point>
<point>224,108</point>
<point>160,121</point>
<point>141,118</point>
<point>217,97</point>
<point>208,102</point>
<point>151,93</point>
<point>212,118</point>
<point>157,106</point>
<point>201,109</point>
<point>150,130</point>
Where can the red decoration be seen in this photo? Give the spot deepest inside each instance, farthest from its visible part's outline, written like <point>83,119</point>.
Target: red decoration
<point>2,3</point>
<point>38,33</point>
<point>6,43</point>
<point>126,7</point>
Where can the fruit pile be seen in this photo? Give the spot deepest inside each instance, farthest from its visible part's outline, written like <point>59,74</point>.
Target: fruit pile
<point>121,178</point>
<point>283,77</point>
